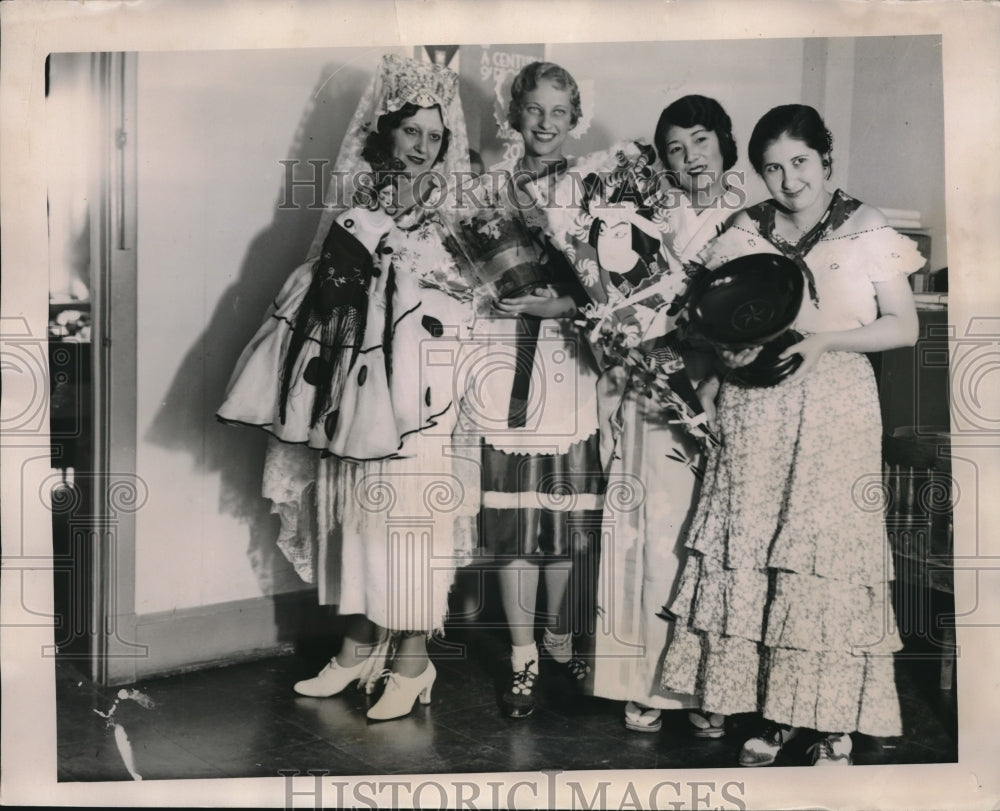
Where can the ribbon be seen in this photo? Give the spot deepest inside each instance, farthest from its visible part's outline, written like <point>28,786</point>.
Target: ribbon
<point>528,328</point>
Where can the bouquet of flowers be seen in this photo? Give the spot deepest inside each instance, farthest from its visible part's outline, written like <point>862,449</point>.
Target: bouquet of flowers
<point>655,366</point>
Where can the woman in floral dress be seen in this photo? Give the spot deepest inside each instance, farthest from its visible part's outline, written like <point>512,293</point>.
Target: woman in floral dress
<point>346,373</point>
<point>783,604</point>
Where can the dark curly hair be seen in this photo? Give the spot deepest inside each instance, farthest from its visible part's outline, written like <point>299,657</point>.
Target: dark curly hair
<point>798,121</point>
<point>528,79</point>
<point>697,111</point>
<point>378,145</point>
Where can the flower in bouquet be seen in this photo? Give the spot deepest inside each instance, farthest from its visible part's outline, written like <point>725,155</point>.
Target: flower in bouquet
<point>655,367</point>
<point>489,227</point>
<point>661,374</point>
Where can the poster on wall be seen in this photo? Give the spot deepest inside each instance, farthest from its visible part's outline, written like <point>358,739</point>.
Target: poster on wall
<point>486,74</point>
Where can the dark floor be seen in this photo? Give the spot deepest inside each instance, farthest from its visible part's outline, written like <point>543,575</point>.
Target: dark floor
<point>245,721</point>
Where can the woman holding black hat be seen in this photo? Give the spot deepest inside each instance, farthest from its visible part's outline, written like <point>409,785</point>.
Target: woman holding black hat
<point>783,604</point>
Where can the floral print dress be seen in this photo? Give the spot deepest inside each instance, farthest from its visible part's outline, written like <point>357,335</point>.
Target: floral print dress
<point>783,606</point>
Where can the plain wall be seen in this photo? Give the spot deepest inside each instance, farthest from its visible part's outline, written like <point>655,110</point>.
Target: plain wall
<point>214,247</point>
<point>897,130</point>
<point>213,250</point>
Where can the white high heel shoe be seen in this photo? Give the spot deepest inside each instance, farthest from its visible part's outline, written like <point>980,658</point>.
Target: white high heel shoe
<point>401,692</point>
<point>331,680</point>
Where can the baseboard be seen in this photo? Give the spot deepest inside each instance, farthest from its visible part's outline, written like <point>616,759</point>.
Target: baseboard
<point>169,642</point>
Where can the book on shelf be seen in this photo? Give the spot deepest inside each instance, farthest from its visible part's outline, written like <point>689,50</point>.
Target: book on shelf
<point>900,214</point>
<point>930,301</point>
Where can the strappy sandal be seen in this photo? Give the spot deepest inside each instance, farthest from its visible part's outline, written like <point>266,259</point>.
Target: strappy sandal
<point>831,750</point>
<point>640,718</point>
<point>707,724</point>
<point>576,669</point>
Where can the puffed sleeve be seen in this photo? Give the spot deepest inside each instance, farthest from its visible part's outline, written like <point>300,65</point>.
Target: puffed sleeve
<point>733,243</point>
<point>889,254</point>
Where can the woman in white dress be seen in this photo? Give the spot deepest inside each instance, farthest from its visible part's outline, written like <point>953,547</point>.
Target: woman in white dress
<point>346,373</point>
<point>654,469</point>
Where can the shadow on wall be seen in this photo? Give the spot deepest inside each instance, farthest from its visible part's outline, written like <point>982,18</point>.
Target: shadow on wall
<point>185,420</point>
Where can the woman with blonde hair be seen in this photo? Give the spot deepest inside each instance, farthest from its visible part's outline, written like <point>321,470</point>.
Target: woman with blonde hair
<point>533,402</point>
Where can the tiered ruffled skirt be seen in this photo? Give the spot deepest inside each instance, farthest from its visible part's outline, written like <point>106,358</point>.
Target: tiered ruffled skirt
<point>784,605</point>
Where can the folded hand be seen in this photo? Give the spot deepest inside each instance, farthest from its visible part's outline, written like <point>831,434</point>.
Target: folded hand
<point>542,302</point>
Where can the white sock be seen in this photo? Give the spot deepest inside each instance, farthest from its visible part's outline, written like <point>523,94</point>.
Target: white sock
<point>521,655</point>
<point>559,646</point>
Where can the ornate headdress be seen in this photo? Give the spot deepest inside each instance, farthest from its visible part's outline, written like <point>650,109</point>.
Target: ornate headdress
<point>407,80</point>
<point>397,81</point>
